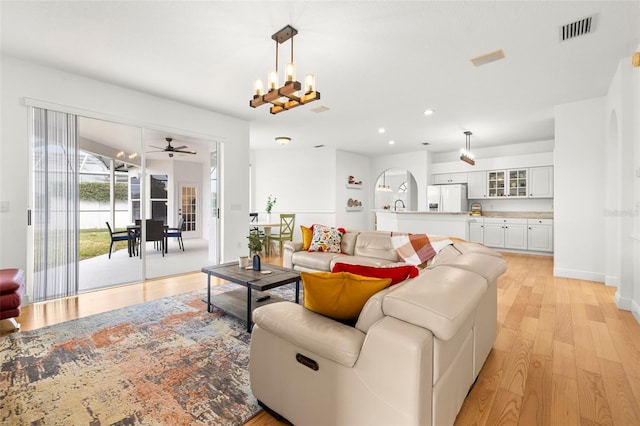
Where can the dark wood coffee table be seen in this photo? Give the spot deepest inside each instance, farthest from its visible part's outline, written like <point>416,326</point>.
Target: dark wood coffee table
<point>241,303</point>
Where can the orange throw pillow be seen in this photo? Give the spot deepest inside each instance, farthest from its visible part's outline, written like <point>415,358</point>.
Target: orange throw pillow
<point>341,295</point>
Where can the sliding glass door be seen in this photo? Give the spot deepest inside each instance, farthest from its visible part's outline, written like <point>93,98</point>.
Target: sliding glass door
<point>90,175</point>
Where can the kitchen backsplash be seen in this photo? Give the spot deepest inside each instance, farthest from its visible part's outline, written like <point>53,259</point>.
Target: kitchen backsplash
<point>515,204</point>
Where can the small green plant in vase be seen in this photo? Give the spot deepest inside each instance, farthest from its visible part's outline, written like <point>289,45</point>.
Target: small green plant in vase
<point>271,201</point>
<point>255,247</point>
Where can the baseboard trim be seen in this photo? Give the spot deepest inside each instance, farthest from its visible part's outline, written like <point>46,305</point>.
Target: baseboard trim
<point>623,302</point>
<point>635,310</point>
<point>578,275</point>
<point>611,281</point>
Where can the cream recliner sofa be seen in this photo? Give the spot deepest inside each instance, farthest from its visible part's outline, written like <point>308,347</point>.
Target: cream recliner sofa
<point>371,248</point>
<point>411,359</point>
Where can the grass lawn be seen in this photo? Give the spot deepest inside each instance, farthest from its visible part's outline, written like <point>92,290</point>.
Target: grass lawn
<point>95,242</point>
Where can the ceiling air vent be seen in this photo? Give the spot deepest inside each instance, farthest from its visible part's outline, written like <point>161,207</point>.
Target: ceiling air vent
<point>577,28</point>
<point>320,109</point>
<point>487,58</point>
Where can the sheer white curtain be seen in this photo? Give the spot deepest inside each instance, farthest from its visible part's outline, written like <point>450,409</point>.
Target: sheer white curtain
<point>55,205</point>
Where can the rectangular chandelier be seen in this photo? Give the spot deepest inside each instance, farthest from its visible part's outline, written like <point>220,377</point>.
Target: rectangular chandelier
<point>465,153</point>
<point>285,97</point>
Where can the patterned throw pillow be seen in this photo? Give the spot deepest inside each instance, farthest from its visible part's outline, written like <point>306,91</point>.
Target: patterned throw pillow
<point>326,239</point>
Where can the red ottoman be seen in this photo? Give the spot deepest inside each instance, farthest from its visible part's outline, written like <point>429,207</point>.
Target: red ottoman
<point>11,291</point>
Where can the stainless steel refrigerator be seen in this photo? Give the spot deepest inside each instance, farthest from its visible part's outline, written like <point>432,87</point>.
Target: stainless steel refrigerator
<point>447,198</point>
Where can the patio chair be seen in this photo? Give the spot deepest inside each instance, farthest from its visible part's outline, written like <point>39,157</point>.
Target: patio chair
<point>177,232</point>
<point>155,232</point>
<point>287,222</point>
<point>116,236</point>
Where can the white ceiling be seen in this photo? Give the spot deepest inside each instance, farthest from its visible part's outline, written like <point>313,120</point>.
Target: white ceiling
<point>377,64</point>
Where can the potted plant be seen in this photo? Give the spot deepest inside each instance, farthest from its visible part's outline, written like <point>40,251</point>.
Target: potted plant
<point>255,247</point>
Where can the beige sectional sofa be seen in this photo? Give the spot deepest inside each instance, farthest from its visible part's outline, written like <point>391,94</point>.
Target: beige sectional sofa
<point>411,358</point>
<point>371,248</point>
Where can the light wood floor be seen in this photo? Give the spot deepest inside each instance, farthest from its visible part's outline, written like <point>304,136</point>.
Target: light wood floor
<point>565,355</point>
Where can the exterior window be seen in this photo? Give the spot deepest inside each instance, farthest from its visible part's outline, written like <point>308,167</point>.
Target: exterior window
<point>134,194</point>
<point>159,197</point>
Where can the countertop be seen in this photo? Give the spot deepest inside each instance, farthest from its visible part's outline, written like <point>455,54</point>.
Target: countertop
<point>421,212</point>
<point>514,215</point>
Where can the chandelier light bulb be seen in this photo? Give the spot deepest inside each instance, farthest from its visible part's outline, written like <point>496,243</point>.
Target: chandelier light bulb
<point>310,83</point>
<point>258,87</point>
<point>290,72</point>
<point>273,80</point>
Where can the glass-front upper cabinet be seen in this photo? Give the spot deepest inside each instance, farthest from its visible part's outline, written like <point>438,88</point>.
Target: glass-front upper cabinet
<point>518,183</point>
<point>496,183</point>
<point>507,183</point>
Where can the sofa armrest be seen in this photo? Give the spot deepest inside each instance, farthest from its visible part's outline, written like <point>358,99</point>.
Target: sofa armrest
<point>317,334</point>
<point>290,247</point>
<point>439,299</point>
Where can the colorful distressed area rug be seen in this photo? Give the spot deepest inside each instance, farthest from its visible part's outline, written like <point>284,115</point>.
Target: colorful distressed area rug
<point>164,362</point>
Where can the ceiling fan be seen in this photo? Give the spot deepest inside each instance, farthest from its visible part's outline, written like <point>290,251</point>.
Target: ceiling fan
<point>170,149</point>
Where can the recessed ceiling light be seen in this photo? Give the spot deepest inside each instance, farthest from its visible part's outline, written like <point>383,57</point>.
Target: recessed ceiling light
<point>381,130</point>
<point>392,142</point>
<point>428,112</point>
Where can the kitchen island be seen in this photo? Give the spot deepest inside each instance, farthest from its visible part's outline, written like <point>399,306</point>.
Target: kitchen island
<point>522,232</point>
<point>421,222</point>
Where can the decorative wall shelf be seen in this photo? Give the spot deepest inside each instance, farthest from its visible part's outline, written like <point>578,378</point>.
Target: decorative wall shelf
<point>353,209</point>
<point>353,186</point>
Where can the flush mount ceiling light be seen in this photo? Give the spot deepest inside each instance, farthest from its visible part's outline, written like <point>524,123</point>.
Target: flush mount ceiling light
<point>285,97</point>
<point>465,153</point>
<point>283,140</point>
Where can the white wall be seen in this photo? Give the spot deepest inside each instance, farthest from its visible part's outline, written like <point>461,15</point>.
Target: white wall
<point>350,164</point>
<point>302,180</point>
<point>524,156</point>
<point>579,190</point>
<point>74,93</point>
<point>620,210</point>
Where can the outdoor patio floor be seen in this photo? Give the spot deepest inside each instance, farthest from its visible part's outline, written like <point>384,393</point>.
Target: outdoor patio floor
<point>100,271</point>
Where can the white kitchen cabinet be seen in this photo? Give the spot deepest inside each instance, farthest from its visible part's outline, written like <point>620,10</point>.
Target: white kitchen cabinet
<point>493,232</point>
<point>477,185</point>
<point>445,178</point>
<point>476,230</point>
<point>505,233</point>
<point>517,183</point>
<point>540,235</point>
<point>515,234</point>
<point>541,182</point>
<point>507,183</point>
